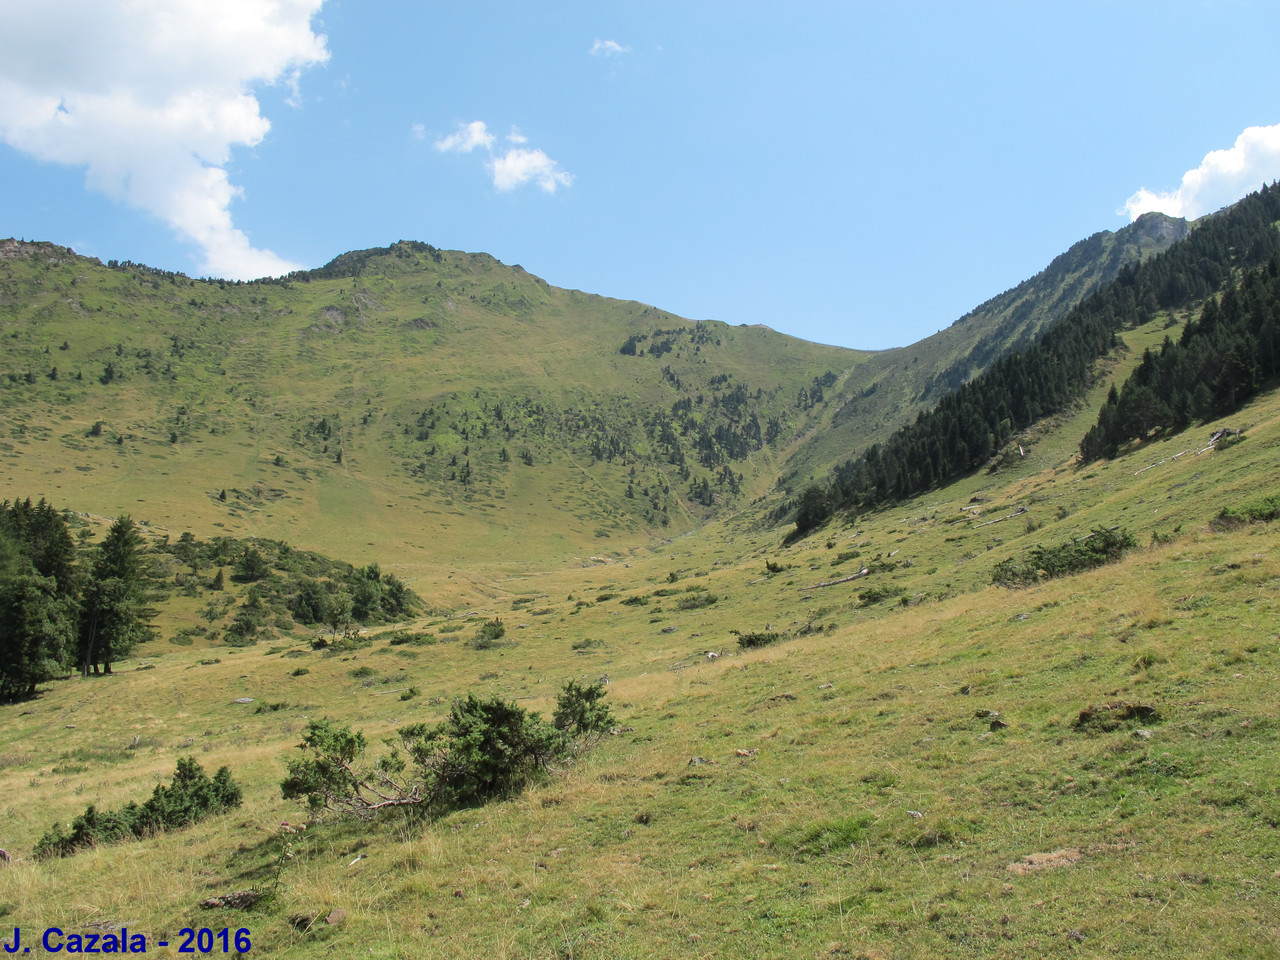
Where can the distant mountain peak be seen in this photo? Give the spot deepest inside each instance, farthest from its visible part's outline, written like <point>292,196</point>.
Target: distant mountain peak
<point>1156,227</point>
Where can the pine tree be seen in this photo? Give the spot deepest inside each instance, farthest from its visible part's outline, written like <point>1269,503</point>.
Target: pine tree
<point>41,535</point>
<point>114,618</point>
<point>251,566</point>
<point>37,626</point>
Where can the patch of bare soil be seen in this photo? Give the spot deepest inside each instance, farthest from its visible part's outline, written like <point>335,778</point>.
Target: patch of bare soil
<point>1045,861</point>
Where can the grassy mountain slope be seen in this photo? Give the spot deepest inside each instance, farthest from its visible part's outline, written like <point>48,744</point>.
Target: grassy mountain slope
<point>405,395</point>
<point>439,403</point>
<point>844,791</point>
<point>970,425</point>
<point>893,385</point>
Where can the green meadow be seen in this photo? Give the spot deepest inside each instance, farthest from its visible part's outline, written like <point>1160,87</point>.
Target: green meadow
<point>854,746</point>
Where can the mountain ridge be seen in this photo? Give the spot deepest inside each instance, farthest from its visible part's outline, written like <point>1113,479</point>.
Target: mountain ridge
<point>894,384</point>
<point>460,393</point>
<point>617,393</point>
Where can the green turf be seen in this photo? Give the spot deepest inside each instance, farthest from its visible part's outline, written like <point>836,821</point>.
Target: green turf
<point>921,764</point>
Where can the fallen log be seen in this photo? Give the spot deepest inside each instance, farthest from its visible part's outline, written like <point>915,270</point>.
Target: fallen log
<point>1009,516</point>
<point>831,583</point>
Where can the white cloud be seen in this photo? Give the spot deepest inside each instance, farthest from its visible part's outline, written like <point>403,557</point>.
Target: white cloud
<point>517,167</point>
<point>150,96</point>
<point>1223,177</point>
<point>466,138</point>
<point>608,48</point>
<point>514,168</point>
<point>417,131</point>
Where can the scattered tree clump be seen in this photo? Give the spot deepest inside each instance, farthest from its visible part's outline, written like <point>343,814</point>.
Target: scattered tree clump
<point>53,614</point>
<point>191,797</point>
<point>63,606</point>
<point>1099,548</point>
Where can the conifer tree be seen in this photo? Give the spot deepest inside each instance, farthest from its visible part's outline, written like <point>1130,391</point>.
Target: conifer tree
<point>114,618</point>
<point>37,626</point>
<point>41,535</point>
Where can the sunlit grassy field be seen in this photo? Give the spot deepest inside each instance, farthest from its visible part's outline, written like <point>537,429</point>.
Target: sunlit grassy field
<point>924,764</point>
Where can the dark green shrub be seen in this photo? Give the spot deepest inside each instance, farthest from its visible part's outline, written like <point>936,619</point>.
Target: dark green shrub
<point>1100,547</point>
<point>411,639</point>
<point>1260,511</point>
<point>366,599</point>
<point>874,595</point>
<point>484,750</point>
<point>748,641</point>
<point>490,632</point>
<point>581,712</point>
<point>245,629</point>
<point>696,601</point>
<point>325,779</point>
<point>190,798</point>
<point>310,604</point>
<point>251,566</point>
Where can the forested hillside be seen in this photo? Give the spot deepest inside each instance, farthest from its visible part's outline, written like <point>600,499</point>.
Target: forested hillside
<point>969,425</point>
<point>1221,360</point>
<point>892,386</point>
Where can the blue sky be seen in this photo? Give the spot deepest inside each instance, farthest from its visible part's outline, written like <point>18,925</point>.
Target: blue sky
<point>851,173</point>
